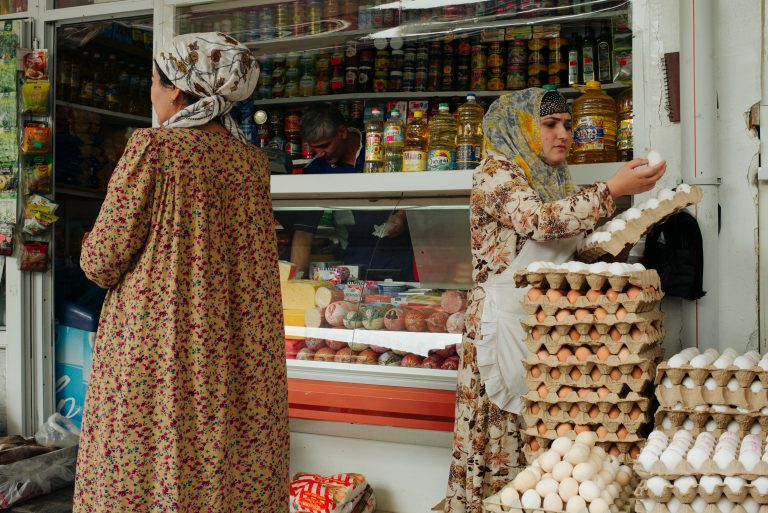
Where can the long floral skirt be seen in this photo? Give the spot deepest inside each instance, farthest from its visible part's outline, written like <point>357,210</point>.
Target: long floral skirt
<point>487,448</point>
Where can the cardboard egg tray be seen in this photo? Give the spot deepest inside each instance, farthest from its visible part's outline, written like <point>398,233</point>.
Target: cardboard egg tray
<point>623,448</point>
<point>690,397</point>
<point>553,340</point>
<point>611,425</point>
<point>641,359</point>
<point>617,386</point>
<point>625,503</point>
<point>686,508</point>
<point>624,404</point>
<point>722,421</point>
<point>670,491</point>
<point>610,437</point>
<point>558,279</point>
<point>639,320</point>
<point>708,468</point>
<point>635,228</point>
<point>745,377</point>
<point>643,302</point>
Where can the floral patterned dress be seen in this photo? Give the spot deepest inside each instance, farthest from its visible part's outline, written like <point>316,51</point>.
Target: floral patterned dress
<point>505,212</point>
<point>186,408</point>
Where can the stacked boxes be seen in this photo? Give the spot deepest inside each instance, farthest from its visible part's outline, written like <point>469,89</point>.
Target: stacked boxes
<point>593,332</point>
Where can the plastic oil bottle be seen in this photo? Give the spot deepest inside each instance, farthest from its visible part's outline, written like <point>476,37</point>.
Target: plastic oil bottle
<point>374,152</point>
<point>394,138</point>
<point>594,126</point>
<point>625,121</point>
<point>442,141</point>
<point>469,134</point>
<point>416,142</point>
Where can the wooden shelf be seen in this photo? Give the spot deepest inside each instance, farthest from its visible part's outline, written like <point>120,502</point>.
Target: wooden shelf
<point>108,114</point>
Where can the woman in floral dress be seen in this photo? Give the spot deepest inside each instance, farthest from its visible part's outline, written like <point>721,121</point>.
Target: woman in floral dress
<point>187,408</point>
<point>524,207</point>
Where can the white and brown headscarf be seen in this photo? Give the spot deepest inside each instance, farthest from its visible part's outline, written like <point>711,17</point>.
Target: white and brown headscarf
<point>213,67</point>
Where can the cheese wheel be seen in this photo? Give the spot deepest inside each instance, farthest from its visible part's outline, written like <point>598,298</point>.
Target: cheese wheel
<point>315,318</point>
<point>453,301</point>
<point>324,296</point>
<point>300,294</point>
<point>336,312</point>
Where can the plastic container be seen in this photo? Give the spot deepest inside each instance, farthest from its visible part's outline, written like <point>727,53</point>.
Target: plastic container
<point>594,122</point>
<point>624,121</point>
<point>374,152</point>
<point>394,140</point>
<point>469,134</point>
<point>442,141</point>
<point>416,143</point>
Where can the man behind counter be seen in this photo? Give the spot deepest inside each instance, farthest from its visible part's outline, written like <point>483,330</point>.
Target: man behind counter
<point>339,149</point>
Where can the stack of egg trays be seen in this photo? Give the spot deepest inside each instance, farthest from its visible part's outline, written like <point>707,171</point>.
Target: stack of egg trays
<point>643,313</point>
<point>716,422</point>
<point>625,503</point>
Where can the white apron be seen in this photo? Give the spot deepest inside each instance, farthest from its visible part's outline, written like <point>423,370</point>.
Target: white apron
<point>500,348</point>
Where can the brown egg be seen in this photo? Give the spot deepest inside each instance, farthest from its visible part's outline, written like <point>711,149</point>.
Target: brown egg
<point>603,353</point>
<point>554,410</point>
<point>554,295</point>
<point>600,313</point>
<point>637,372</point>
<point>555,336</point>
<point>603,392</point>
<point>573,296</point>
<point>614,412</point>
<point>562,315</point>
<point>535,408</point>
<point>650,289</point>
<point>543,392</point>
<point>564,353</point>
<point>535,371</point>
<point>612,295</point>
<point>581,313</point>
<point>575,374</point>
<point>541,315</point>
<point>555,373</point>
<point>595,374</point>
<point>615,334</point>
<point>633,292</point>
<point>574,334</point>
<point>592,295</point>
<point>635,333</point>
<point>564,391</point>
<point>581,428</point>
<point>615,374</point>
<point>614,451</point>
<point>594,334</point>
<point>622,433</point>
<point>624,353</point>
<point>541,428</point>
<point>601,431</point>
<point>584,392</point>
<point>542,353</point>
<point>535,446</point>
<point>594,411</point>
<point>534,294</point>
<point>536,334</point>
<point>564,428</point>
<point>634,414</point>
<point>621,313</point>
<point>634,452</point>
<point>583,353</point>
<point>574,411</point>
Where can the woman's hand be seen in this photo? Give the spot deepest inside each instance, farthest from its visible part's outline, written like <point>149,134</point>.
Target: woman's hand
<point>630,180</point>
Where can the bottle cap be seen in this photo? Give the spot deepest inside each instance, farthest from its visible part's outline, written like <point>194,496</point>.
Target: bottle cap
<point>471,96</point>
<point>443,107</point>
<point>550,87</point>
<point>592,85</point>
<point>375,111</point>
<point>395,112</point>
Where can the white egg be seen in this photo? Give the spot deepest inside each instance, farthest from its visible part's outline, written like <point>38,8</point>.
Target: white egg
<point>724,505</point>
<point>607,497</point>
<point>584,472</point>
<point>685,483</point>
<point>531,499</point>
<point>733,426</point>
<point>723,362</point>
<point>673,505</point>
<point>546,487</point>
<point>710,425</point>
<point>578,267</point>
<point>654,157</point>
<point>603,237</point>
<point>750,460</point>
<point>562,470</point>
<point>658,435</point>
<point>632,213</point>
<point>684,187</point>
<point>733,385</point>
<point>750,505</point>
<point>587,438</point>
<point>723,458</point>
<point>756,386</point>
<point>763,364</point>
<point>535,267</point>
<point>743,362</point>
<point>657,485</point>
<point>665,194</point>
<point>509,496</point>
<point>688,424</point>
<point>756,429</point>
<point>721,408</point>
<point>598,506</point>
<point>666,382</point>
<point>709,483</point>
<point>647,459</point>
<point>688,383</point>
<point>761,485</point>
<point>598,267</point>
<point>699,505</point>
<point>579,453</point>
<point>670,459</point>
<point>561,445</point>
<point>553,502</point>
<point>525,480</point>
<point>576,504</point>
<point>710,384</point>
<point>696,457</point>
<point>616,268</point>
<point>616,225</point>
<point>678,360</point>
<point>700,361</point>
<point>735,483</point>
<point>589,491</point>
<point>548,460</point>
<point>568,488</point>
<point>637,266</point>
<point>649,504</point>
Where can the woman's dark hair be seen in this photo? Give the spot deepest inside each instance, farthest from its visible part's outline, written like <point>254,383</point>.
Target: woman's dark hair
<point>166,82</point>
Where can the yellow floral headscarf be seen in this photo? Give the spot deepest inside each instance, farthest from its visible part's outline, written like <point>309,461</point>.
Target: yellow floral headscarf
<point>511,132</point>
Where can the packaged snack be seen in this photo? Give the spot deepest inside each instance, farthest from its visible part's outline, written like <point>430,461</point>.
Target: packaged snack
<point>35,64</point>
<point>7,177</point>
<point>339,493</point>
<point>37,136</point>
<point>34,97</point>
<point>37,174</point>
<point>41,203</point>
<point>38,214</point>
<point>34,256</point>
<point>6,239</point>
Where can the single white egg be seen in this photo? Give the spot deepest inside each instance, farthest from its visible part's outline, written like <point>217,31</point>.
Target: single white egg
<point>652,204</point>
<point>657,485</point>
<point>756,386</point>
<point>723,362</point>
<point>562,470</point>
<point>553,502</point>
<point>665,195</point>
<point>688,383</point>
<point>666,382</point>
<point>699,504</point>
<point>733,385</point>
<point>531,499</point>
<point>761,485</point>
<point>584,472</point>
<point>546,487</point>
<point>535,267</point>
<point>685,483</point>
<point>724,505</point>
<point>616,225</point>
<point>743,362</point>
<point>576,504</point>
<point>649,504</point>
<point>548,460</point>
<point>688,424</point>
<point>683,187</point>
<point>598,505</point>
<point>670,459</point>
<point>616,269</point>
<point>700,361</point>
<point>673,505</point>
<point>579,453</point>
<point>709,483</point>
<point>509,496</point>
<point>710,425</point>
<point>603,236</point>
<point>561,445</point>
<point>697,457</point>
<point>750,505</point>
<point>525,480</point>
<point>589,491</point>
<point>632,213</point>
<point>654,157</point>
<point>750,460</point>
<point>647,460</point>
<point>734,483</point>
<point>756,429</point>
<point>587,438</point>
<point>598,267</point>
<point>568,488</point>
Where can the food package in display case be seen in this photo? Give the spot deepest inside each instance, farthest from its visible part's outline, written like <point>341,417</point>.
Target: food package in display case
<point>340,493</point>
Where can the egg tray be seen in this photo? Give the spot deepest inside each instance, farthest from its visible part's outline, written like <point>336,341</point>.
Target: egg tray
<point>609,438</point>
<point>558,278</point>
<point>708,468</point>
<point>623,455</point>
<point>644,302</point>
<point>615,386</point>
<point>603,420</point>
<point>625,503</point>
<point>670,491</point>
<point>745,377</point>
<point>624,404</point>
<point>699,418</point>
<point>635,228</point>
<point>553,341</point>
<point>686,508</point>
<point>584,325</point>
<point>691,397</point>
<point>643,359</point>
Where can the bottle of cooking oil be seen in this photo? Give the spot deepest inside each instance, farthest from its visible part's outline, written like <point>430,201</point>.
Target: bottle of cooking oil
<point>394,137</point>
<point>625,120</point>
<point>442,141</point>
<point>469,134</point>
<point>374,133</point>
<point>416,142</point>
<point>594,126</point>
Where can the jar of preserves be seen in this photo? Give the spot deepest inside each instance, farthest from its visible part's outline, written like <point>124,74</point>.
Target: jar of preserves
<point>517,52</point>
<point>517,76</point>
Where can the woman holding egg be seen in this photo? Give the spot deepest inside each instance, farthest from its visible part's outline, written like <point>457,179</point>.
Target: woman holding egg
<point>524,208</point>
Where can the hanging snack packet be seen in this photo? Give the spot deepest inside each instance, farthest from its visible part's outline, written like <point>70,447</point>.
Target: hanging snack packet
<point>37,174</point>
<point>41,203</point>
<point>7,177</point>
<point>34,64</point>
<point>38,215</point>
<point>36,138</point>
<point>34,97</point>
<point>34,256</point>
<point>6,239</point>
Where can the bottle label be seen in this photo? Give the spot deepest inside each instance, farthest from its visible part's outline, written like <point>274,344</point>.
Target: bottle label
<point>589,64</point>
<point>573,67</point>
<point>589,134</point>
<point>373,149</point>
<point>86,90</point>
<point>467,156</point>
<point>441,160</point>
<point>624,135</point>
<point>393,134</point>
<point>604,62</point>
<point>414,160</point>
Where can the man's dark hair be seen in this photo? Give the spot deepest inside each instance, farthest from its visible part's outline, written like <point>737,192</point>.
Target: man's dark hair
<point>321,121</point>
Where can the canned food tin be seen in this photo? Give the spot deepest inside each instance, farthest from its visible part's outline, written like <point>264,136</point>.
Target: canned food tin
<point>495,80</point>
<point>517,53</point>
<point>479,81</point>
<point>495,58</point>
<point>479,60</point>
<point>292,121</point>
<point>517,76</point>
<point>420,81</point>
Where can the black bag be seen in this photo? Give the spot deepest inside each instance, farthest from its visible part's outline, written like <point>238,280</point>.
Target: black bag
<point>674,248</point>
